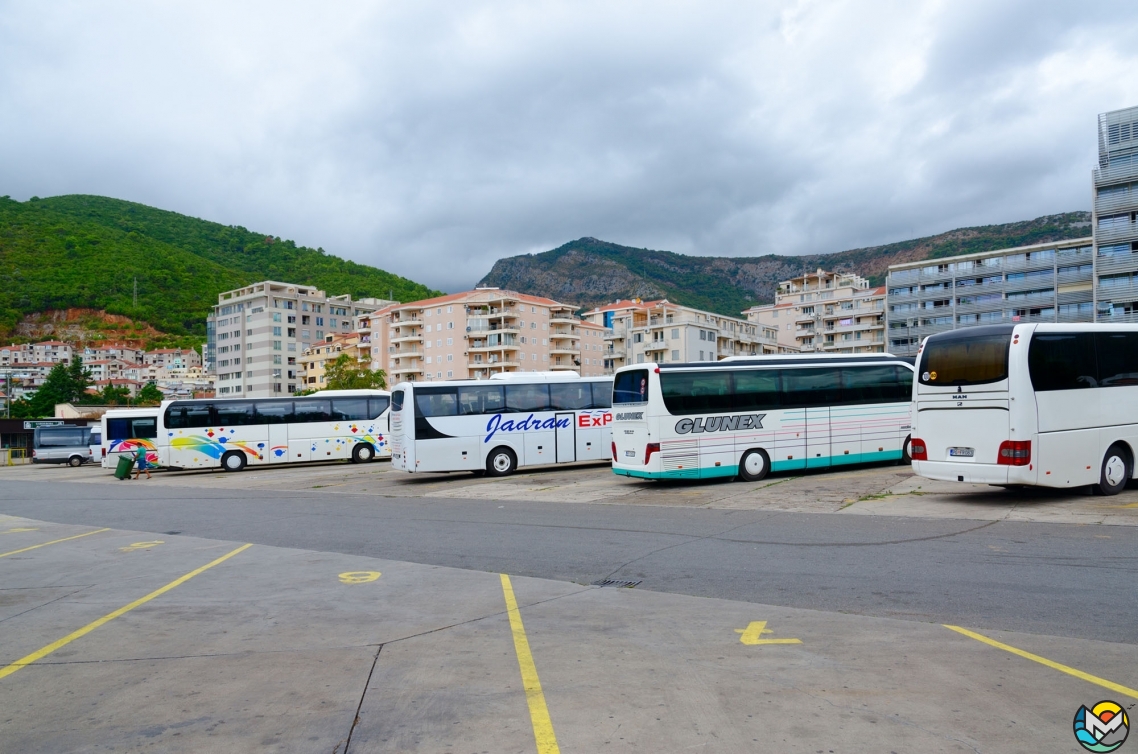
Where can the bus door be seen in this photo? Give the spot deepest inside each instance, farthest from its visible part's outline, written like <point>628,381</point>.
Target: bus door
<point>276,414</point>
<point>816,389</point>
<point>566,439</point>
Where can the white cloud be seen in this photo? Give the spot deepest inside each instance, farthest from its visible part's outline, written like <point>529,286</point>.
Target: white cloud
<point>433,138</point>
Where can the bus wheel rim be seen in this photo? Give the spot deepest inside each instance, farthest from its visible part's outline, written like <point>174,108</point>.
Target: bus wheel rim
<point>1115,471</point>
<point>754,463</point>
<point>501,462</point>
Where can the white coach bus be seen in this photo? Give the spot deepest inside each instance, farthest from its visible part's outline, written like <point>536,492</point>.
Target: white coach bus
<point>747,417</point>
<point>232,433</point>
<point>127,429</point>
<point>499,425</point>
<point>1034,404</point>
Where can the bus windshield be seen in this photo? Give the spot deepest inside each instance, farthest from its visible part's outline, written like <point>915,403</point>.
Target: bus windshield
<point>973,356</point>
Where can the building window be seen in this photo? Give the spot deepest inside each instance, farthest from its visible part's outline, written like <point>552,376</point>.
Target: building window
<point>675,355</point>
<point>276,345</point>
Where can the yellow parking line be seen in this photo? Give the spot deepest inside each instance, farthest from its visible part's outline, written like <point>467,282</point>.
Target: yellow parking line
<point>42,653</point>
<point>1049,663</point>
<point>538,712</point>
<point>52,542</point>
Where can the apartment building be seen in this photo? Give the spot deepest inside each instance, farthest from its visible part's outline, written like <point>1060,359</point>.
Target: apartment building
<point>659,331</point>
<point>313,361</point>
<point>44,352</point>
<point>474,334</point>
<point>256,334</point>
<point>105,351</point>
<point>1115,217</point>
<point>827,312</point>
<point>173,358</point>
<point>1040,283</point>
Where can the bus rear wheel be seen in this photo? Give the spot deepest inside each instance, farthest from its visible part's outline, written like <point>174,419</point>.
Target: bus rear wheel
<point>233,461</point>
<point>754,465</point>
<point>1116,470</point>
<point>363,453</point>
<point>501,462</point>
<point>906,457</point>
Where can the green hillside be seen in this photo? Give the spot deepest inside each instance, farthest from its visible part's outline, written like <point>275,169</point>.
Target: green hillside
<point>590,272</point>
<point>87,251</point>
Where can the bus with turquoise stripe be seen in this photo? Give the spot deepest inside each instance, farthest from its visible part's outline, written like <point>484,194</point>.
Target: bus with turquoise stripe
<point>746,417</point>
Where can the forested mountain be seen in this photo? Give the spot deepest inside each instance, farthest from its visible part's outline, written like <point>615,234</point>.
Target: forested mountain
<point>89,251</point>
<point>590,272</point>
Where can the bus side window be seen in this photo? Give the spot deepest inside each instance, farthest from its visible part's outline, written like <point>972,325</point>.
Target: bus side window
<point>197,415</point>
<point>436,402</point>
<point>118,429</point>
<point>376,406</point>
<point>571,396</point>
<point>757,390</point>
<point>144,429</point>
<point>309,410</point>
<point>481,399</point>
<point>1062,361</point>
<point>350,409</point>
<point>807,388</point>
<point>233,414</point>
<point>1117,358</point>
<point>526,398</point>
<point>274,412</point>
<point>602,394</point>
<point>873,384</point>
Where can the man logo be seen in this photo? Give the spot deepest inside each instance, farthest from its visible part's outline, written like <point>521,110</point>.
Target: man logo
<point>1103,727</point>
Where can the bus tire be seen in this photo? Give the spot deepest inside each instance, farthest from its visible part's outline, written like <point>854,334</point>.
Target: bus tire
<point>754,465</point>
<point>501,462</point>
<point>363,453</point>
<point>1117,467</point>
<point>906,457</point>
<point>233,461</point>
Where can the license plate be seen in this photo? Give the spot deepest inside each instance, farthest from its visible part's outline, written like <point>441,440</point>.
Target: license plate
<point>961,452</point>
<point>630,453</point>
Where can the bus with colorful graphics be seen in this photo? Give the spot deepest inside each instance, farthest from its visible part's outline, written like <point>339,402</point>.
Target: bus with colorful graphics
<point>498,425</point>
<point>745,417</point>
<point>232,433</point>
<point>127,429</point>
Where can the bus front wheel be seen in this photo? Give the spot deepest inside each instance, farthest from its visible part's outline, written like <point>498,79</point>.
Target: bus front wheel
<point>501,462</point>
<point>754,465</point>
<point>363,453</point>
<point>233,461</point>
<point>1116,470</point>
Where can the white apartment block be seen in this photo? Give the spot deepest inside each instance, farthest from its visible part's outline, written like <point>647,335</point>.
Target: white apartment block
<point>256,333</point>
<point>173,358</point>
<point>829,312</point>
<point>474,334</point>
<point>660,331</point>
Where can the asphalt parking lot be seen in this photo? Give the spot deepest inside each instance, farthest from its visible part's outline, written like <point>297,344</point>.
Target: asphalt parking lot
<point>115,638</point>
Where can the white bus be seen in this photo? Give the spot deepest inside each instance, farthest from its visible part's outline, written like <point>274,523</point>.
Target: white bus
<point>747,417</point>
<point>1034,404</point>
<point>499,425</point>
<point>231,433</point>
<point>125,430</point>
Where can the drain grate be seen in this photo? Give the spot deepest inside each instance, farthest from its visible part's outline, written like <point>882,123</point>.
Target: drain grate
<point>616,583</point>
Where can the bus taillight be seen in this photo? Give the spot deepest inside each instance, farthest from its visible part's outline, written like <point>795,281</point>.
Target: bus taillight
<point>917,450</point>
<point>1014,453</point>
<point>614,450</point>
<point>649,449</point>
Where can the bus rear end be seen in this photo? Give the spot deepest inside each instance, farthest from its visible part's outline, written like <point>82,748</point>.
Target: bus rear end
<point>966,427</point>
<point>402,426</point>
<point>635,451</point>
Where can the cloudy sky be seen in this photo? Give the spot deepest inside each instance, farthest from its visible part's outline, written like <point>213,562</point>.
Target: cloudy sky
<point>433,138</point>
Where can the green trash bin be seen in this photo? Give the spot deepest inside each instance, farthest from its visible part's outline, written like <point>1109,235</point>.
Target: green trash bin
<point>122,470</point>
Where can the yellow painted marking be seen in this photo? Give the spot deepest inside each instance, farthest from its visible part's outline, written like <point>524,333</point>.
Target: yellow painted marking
<point>21,530</point>
<point>359,577</point>
<point>755,629</point>
<point>142,545</point>
<point>53,542</point>
<point>1049,663</point>
<point>538,712</point>
<point>39,654</point>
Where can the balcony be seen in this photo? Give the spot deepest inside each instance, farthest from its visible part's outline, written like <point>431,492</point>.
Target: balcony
<point>494,347</point>
<point>407,338</point>
<point>567,319</point>
<point>556,350</point>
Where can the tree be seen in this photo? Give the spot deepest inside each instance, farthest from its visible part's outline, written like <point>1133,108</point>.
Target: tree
<point>80,378</point>
<point>114,396</point>
<point>149,395</point>
<point>346,373</point>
